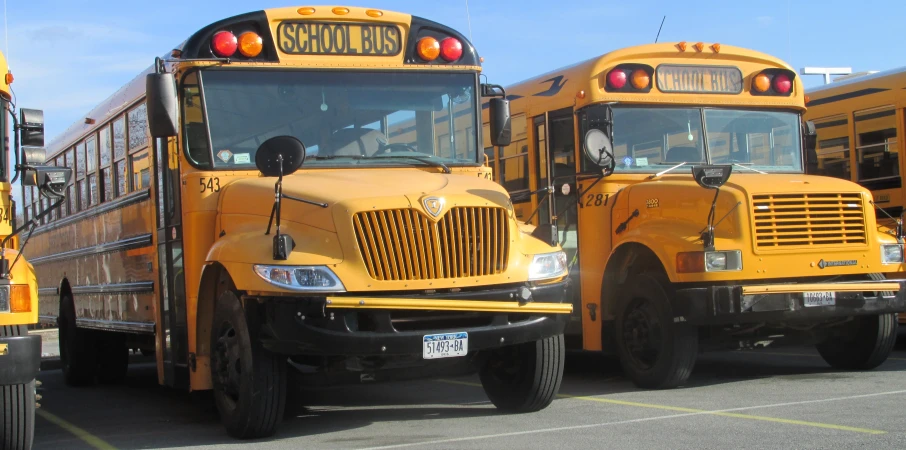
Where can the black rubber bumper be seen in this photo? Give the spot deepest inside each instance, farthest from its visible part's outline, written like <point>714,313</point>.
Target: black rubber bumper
<point>297,328</point>
<point>724,305</point>
<point>22,360</point>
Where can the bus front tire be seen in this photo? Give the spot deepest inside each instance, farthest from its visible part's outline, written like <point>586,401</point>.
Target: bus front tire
<point>655,352</point>
<point>249,382</point>
<point>525,377</point>
<point>78,347</point>
<point>17,416</point>
<point>866,348</point>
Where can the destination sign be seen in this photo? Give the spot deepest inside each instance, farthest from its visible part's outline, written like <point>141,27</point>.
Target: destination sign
<point>322,38</point>
<point>699,79</point>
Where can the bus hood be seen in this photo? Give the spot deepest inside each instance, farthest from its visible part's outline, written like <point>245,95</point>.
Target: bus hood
<point>349,191</point>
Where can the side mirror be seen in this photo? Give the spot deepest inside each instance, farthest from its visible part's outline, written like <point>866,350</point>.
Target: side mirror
<point>500,124</point>
<point>279,156</point>
<point>163,105</point>
<point>711,177</point>
<point>31,123</point>
<point>598,148</point>
<point>810,141</point>
<point>50,180</point>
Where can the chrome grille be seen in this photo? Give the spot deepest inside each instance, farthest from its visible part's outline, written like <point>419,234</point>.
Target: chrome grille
<point>403,244</point>
<point>808,220</point>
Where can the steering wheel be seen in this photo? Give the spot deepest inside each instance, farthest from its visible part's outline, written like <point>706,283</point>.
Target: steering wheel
<point>399,145</point>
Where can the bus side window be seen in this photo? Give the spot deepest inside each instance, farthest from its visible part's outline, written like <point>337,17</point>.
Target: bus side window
<point>196,136</point>
<point>876,144</point>
<point>833,146</point>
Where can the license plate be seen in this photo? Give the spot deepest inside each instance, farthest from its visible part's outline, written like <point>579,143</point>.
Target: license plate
<point>447,345</point>
<point>820,298</point>
<point>4,299</point>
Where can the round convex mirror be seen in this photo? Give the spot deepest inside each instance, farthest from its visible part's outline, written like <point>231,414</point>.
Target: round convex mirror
<point>598,147</point>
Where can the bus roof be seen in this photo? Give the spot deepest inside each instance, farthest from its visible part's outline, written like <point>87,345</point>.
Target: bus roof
<point>198,46</point>
<point>836,87</point>
<point>566,86</point>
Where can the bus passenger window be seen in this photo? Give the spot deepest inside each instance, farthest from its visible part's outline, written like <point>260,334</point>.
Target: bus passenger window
<point>141,172</point>
<point>833,147</point>
<point>514,163</point>
<point>138,127</point>
<point>876,144</point>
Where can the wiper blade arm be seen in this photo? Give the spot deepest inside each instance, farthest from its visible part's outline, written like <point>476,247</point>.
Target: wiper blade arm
<point>749,168</point>
<point>424,159</point>
<point>665,171</point>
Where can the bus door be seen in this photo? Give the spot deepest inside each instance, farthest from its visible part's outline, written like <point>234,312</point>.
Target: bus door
<point>172,306</point>
<point>555,163</point>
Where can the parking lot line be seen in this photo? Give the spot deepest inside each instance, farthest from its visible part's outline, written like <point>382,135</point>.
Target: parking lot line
<point>730,412</point>
<point>80,433</point>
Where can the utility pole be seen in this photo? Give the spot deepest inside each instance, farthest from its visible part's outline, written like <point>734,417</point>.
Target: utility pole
<point>826,71</point>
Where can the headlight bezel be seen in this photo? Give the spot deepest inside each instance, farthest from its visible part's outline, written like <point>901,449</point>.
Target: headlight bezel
<point>263,270</point>
<point>884,254</point>
<point>536,273</point>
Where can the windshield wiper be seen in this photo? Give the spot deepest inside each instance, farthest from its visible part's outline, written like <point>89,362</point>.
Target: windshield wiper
<point>744,166</point>
<point>425,159</point>
<point>665,171</point>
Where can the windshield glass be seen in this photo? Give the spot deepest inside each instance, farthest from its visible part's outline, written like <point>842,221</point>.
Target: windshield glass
<point>343,118</point>
<point>652,139</point>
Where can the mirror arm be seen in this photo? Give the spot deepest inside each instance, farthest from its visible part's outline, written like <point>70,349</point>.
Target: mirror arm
<point>15,144</point>
<point>708,234</point>
<point>32,224</point>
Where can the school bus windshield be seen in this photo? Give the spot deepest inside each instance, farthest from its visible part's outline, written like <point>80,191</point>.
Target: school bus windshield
<point>650,139</point>
<point>345,119</point>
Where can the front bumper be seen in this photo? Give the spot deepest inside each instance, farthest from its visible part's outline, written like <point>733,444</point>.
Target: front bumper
<point>20,359</point>
<point>386,326</point>
<point>741,304</point>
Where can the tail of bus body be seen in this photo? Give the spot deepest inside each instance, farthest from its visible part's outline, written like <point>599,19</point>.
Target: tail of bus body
<point>715,261</point>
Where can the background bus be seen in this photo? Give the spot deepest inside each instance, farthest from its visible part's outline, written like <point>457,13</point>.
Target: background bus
<point>666,263</point>
<point>396,257</point>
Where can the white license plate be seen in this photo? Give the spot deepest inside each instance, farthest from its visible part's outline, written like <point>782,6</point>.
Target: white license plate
<point>447,345</point>
<point>820,298</point>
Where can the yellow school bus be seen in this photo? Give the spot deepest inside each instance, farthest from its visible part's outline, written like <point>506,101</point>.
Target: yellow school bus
<point>20,353</point>
<point>672,175</point>
<point>859,122</point>
<point>252,205</point>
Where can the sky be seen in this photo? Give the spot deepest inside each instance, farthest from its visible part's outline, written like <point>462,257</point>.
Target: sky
<point>68,56</point>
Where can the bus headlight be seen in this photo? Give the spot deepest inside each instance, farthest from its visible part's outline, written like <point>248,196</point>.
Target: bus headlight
<point>301,278</point>
<point>547,265</point>
<point>891,253</point>
<point>717,261</point>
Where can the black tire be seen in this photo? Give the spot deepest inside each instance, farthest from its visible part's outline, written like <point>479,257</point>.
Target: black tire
<point>866,348</point>
<point>525,377</point>
<point>113,357</point>
<point>78,352</point>
<point>249,382</point>
<point>17,416</point>
<point>655,351</point>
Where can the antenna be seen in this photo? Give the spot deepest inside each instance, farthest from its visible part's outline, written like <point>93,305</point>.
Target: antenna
<point>658,30</point>
<point>468,19</point>
<point>6,32</point>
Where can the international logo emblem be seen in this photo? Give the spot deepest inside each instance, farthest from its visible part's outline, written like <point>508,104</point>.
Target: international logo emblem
<point>434,205</point>
<point>846,262</point>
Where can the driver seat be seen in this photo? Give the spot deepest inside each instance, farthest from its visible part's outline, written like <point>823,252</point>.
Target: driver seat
<point>683,154</point>
<point>354,142</point>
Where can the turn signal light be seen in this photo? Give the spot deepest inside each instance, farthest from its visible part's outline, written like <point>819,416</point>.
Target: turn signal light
<point>616,78</point>
<point>690,262</point>
<point>450,49</point>
<point>429,48</point>
<point>9,78</point>
<point>19,298</point>
<point>224,44</point>
<point>250,44</point>
<point>761,83</point>
<point>640,79</point>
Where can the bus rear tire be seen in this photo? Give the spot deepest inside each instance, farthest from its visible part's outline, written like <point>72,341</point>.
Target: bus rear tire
<point>655,352</point>
<point>249,382</point>
<point>868,347</point>
<point>17,416</point>
<point>525,377</point>
<point>78,352</point>
<point>113,358</point>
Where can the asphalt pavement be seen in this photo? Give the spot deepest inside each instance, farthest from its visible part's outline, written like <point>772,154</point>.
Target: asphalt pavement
<point>778,398</point>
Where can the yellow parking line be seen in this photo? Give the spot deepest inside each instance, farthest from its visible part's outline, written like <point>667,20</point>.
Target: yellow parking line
<point>701,411</point>
<point>80,433</point>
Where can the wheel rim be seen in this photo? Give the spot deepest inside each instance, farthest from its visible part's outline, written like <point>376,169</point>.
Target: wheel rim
<point>227,364</point>
<point>643,333</point>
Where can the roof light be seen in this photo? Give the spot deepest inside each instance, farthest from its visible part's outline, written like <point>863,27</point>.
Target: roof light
<point>450,49</point>
<point>307,11</point>
<point>681,46</point>
<point>616,78</point>
<point>340,11</point>
<point>224,44</point>
<point>782,83</point>
<point>807,99</point>
<point>640,79</point>
<point>9,78</point>
<point>250,44</point>
<point>699,46</point>
<point>374,13</point>
<point>716,48</point>
<point>761,83</point>
<point>428,48</point>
